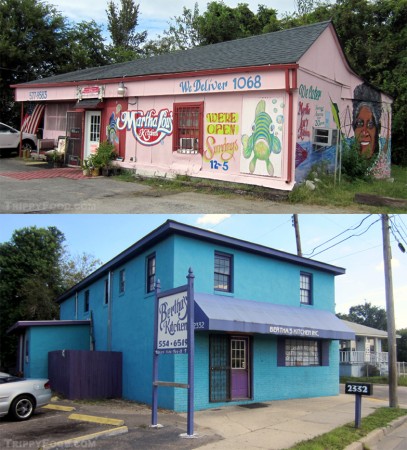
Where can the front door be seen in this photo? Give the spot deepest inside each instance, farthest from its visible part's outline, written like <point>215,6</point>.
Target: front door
<point>240,368</point>
<point>229,368</point>
<point>92,132</point>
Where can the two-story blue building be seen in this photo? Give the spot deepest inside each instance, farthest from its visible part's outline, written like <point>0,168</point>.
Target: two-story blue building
<point>265,327</point>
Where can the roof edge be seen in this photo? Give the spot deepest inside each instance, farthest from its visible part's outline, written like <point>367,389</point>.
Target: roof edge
<point>171,227</point>
<point>23,324</point>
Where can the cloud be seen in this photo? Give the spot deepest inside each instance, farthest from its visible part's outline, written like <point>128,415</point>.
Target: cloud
<point>212,219</point>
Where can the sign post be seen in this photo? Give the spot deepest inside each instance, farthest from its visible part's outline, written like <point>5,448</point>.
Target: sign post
<point>191,352</point>
<point>358,389</point>
<point>174,334</point>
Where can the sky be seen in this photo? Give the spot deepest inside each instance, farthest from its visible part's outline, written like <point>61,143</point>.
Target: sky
<point>104,236</point>
<point>155,15</point>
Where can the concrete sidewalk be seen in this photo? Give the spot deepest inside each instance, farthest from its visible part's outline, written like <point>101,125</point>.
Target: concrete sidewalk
<point>279,424</point>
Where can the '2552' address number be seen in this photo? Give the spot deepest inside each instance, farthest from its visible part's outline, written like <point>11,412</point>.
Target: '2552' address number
<point>359,388</point>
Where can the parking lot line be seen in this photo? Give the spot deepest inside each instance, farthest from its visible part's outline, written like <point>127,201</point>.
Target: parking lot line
<point>59,407</point>
<point>95,419</point>
<point>87,437</point>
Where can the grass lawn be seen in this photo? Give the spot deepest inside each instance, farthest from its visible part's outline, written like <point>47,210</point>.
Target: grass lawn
<point>327,193</point>
<point>339,438</point>
<point>342,194</point>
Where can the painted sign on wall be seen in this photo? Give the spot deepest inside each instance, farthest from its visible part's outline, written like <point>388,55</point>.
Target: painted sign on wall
<point>221,142</point>
<point>206,85</point>
<point>364,126</point>
<point>149,127</point>
<point>262,141</point>
<point>371,126</point>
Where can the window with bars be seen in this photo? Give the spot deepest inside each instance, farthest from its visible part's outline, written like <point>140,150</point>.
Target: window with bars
<point>305,288</point>
<point>302,352</point>
<point>151,269</point>
<point>188,128</point>
<point>219,370</point>
<point>223,272</point>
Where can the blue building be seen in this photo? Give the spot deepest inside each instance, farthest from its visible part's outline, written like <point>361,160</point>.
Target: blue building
<point>265,327</point>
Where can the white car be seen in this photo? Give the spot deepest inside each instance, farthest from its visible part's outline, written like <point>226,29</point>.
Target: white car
<point>20,396</point>
<point>10,140</point>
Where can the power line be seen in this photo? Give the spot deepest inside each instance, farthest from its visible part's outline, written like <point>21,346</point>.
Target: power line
<point>393,228</point>
<point>340,234</point>
<point>393,221</point>
<point>403,226</point>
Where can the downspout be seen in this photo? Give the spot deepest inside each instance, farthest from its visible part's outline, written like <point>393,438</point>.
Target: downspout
<point>109,311</point>
<point>290,86</point>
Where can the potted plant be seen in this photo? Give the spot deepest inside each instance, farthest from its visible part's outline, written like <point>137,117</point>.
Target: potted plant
<point>94,165</point>
<point>86,167</point>
<point>55,158</point>
<point>105,155</point>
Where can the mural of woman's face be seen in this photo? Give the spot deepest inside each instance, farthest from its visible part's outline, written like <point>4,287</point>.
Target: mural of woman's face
<point>365,131</point>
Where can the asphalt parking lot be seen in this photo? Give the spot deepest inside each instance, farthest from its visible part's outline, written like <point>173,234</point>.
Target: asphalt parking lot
<point>127,427</point>
<point>104,195</point>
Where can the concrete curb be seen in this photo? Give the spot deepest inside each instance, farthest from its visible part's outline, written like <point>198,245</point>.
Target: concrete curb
<point>376,435</point>
<point>59,407</point>
<point>87,437</point>
<point>96,419</point>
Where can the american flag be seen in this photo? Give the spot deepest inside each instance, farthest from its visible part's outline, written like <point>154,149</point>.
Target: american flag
<point>32,118</point>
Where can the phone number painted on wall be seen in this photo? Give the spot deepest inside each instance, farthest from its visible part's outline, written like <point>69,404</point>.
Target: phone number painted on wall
<point>38,95</point>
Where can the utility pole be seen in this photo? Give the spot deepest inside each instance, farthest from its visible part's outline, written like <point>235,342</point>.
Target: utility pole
<point>297,234</point>
<point>391,327</point>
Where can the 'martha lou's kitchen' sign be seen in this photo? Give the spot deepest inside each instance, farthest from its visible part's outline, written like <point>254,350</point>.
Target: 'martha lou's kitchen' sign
<point>150,127</point>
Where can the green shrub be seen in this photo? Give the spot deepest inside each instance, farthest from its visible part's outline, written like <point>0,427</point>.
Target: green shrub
<point>355,166</point>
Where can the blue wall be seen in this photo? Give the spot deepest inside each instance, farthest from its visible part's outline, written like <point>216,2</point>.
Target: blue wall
<point>256,278</point>
<point>44,339</point>
<point>269,381</point>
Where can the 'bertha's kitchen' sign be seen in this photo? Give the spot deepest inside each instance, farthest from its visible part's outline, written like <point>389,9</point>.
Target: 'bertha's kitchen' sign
<point>172,324</point>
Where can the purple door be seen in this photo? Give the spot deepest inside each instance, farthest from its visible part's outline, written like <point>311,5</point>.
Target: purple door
<point>240,368</point>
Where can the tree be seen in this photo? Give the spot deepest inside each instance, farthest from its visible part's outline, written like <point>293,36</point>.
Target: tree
<point>183,33</point>
<point>76,268</point>
<point>30,33</point>
<point>368,315</point>
<point>122,24</point>
<point>30,278</point>
<point>36,41</point>
<point>221,23</point>
<point>35,268</point>
<point>267,19</point>
<point>85,47</point>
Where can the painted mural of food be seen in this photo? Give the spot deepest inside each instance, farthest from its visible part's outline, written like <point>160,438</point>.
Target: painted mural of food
<point>262,142</point>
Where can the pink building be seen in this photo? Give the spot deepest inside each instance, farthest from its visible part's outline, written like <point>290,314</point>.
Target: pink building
<point>261,110</point>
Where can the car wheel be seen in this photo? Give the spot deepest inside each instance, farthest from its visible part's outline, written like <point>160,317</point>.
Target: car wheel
<point>22,407</point>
